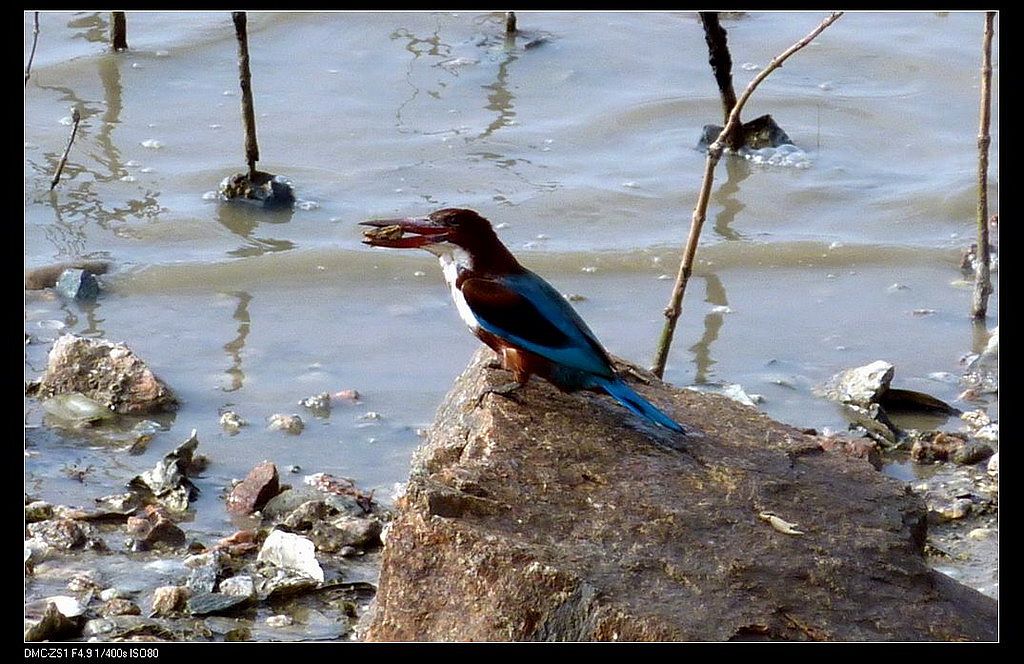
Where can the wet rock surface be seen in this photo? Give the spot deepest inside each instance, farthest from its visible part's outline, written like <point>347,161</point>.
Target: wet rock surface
<point>266,189</point>
<point>168,481</point>
<point>108,373</point>
<point>252,493</point>
<point>524,521</point>
<point>168,585</point>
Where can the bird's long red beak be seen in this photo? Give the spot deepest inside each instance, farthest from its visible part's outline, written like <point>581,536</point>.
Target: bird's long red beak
<point>393,232</point>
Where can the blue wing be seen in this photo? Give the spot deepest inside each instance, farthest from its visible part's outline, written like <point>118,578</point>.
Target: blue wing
<point>529,313</point>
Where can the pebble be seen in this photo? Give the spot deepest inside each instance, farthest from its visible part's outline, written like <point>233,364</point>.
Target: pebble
<point>59,533</point>
<point>231,421</point>
<point>346,395</point>
<point>238,586</point>
<point>959,508</point>
<point>993,465</point>
<point>108,594</point>
<point>290,423</point>
<point>980,533</point>
<point>84,582</point>
<point>291,552</point>
<point>120,607</point>
<point>280,621</point>
<point>38,511</point>
<point>169,599</point>
<point>320,401</point>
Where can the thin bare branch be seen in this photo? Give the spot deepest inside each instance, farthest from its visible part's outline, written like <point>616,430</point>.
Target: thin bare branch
<point>35,39</point>
<point>673,310</point>
<point>252,150</point>
<point>721,66</point>
<point>982,277</point>
<point>76,117</point>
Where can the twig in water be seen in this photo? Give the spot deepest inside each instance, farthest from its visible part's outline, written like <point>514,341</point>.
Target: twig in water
<point>715,150</point>
<point>75,117</point>
<point>118,31</point>
<point>252,150</point>
<point>32,53</point>
<point>982,277</point>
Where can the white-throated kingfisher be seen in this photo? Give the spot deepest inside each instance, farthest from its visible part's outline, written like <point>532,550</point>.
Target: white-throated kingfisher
<point>531,327</point>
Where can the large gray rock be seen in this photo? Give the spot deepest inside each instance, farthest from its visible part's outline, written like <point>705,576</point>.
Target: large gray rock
<point>552,516</point>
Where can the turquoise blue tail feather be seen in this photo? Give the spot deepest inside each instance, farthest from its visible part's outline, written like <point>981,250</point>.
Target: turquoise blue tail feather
<point>636,404</point>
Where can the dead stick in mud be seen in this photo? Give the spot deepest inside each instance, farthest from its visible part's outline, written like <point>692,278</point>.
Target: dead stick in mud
<point>32,53</point>
<point>982,277</point>
<point>75,117</point>
<point>721,66</point>
<point>715,150</point>
<point>252,150</point>
<point>118,31</point>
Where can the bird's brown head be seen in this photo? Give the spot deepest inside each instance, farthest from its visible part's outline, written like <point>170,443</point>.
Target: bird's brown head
<point>460,227</point>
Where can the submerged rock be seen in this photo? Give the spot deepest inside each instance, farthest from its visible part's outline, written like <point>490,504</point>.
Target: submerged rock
<point>77,409</point>
<point>231,421</point>
<point>320,404</point>
<point>78,285</point>
<point>576,522</point>
<point>761,132</point>
<point>108,373</point>
<point>264,189</point>
<point>290,423</point>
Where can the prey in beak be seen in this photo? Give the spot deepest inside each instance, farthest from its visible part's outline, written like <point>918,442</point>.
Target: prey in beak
<point>405,233</point>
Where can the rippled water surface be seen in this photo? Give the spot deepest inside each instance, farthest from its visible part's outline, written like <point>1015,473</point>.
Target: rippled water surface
<point>581,146</point>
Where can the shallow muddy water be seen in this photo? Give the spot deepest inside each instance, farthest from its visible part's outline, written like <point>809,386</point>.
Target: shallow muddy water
<point>582,147</point>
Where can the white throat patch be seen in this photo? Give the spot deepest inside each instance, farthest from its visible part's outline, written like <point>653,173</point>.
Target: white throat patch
<point>455,259</point>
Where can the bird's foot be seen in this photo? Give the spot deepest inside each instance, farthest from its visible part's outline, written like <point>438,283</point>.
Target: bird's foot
<point>506,390</point>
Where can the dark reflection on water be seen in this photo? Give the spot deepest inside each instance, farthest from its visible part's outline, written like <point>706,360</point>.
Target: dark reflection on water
<point>75,201</point>
<point>90,311</point>
<point>737,170</point>
<point>243,219</point>
<point>235,346</point>
<point>92,27</point>
<point>499,98</point>
<point>714,293</point>
<point>110,76</point>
